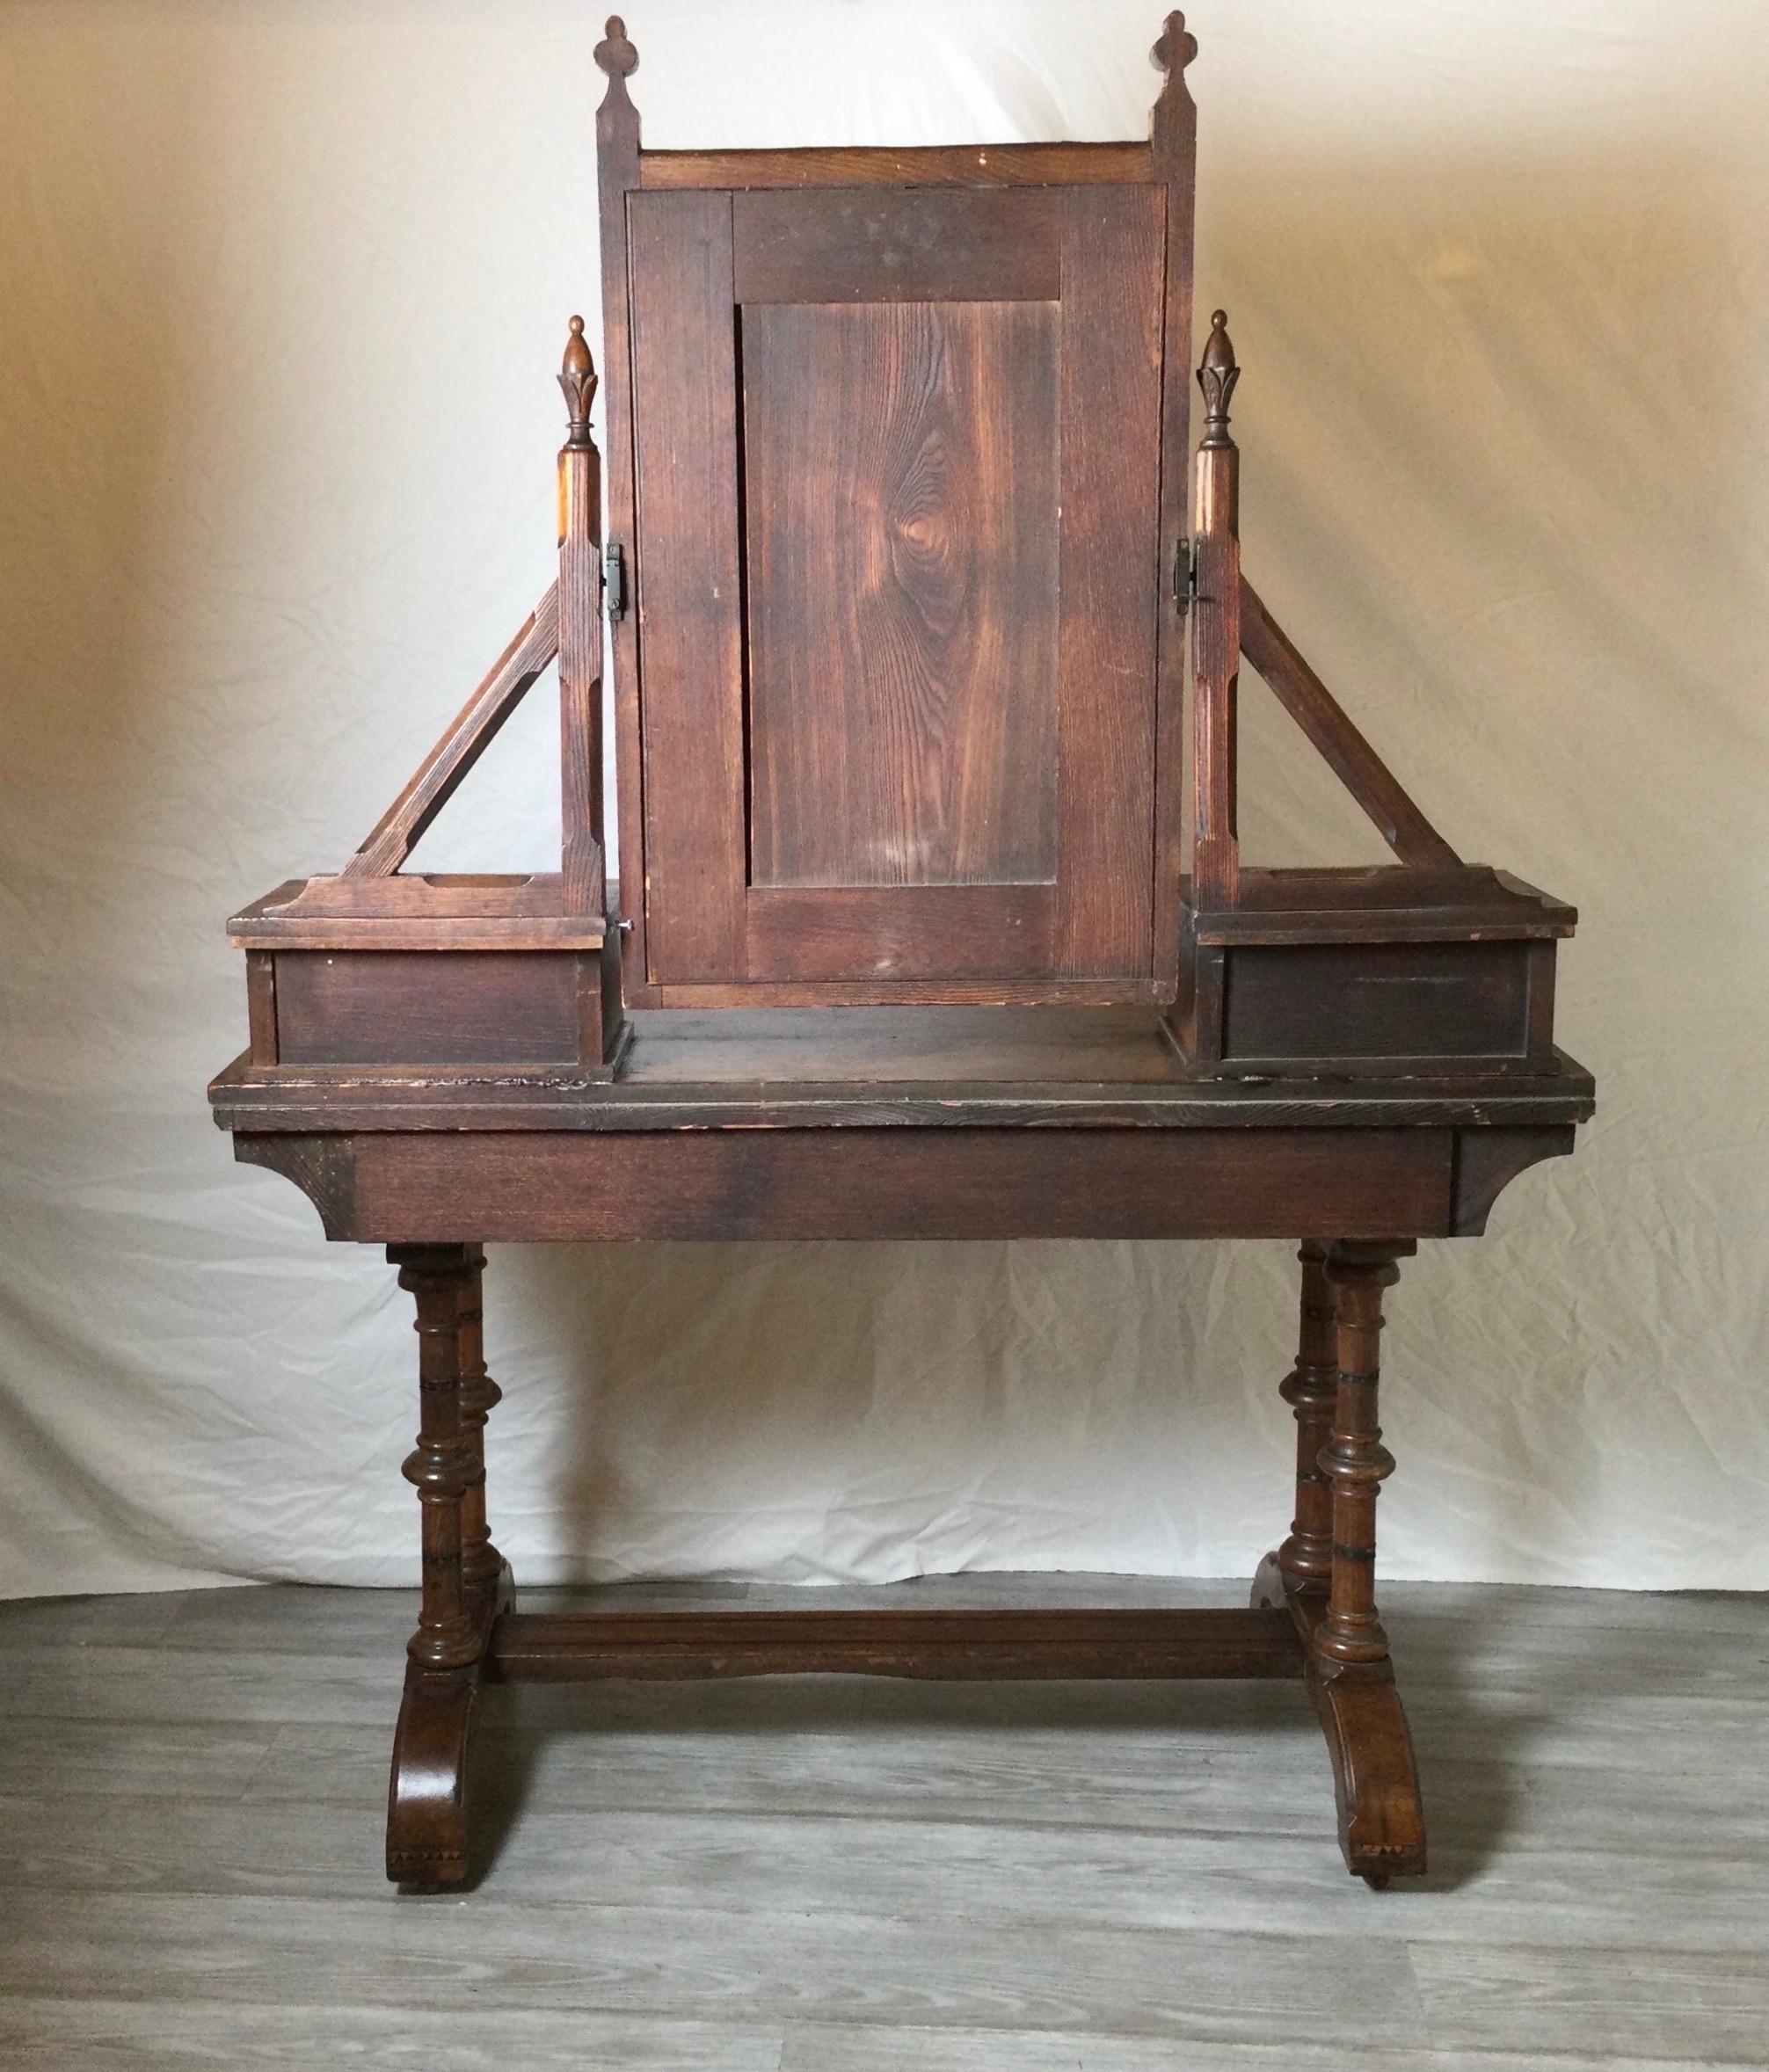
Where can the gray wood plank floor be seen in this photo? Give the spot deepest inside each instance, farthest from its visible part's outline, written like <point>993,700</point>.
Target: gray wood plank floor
<point>824,1875</point>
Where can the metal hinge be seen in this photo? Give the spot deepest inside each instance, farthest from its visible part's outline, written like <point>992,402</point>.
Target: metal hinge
<point>614,581</point>
<point>1185,577</point>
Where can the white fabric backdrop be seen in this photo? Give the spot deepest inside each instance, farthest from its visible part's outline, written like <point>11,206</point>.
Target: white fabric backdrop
<point>284,289</point>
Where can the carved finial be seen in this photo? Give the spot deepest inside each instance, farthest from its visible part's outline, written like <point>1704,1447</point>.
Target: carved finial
<point>617,58</point>
<point>1217,377</point>
<point>578,379</point>
<point>1176,48</point>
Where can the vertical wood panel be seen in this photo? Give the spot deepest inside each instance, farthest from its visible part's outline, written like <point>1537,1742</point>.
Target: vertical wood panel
<point>1174,146</point>
<point>689,583</point>
<point>1113,252</point>
<point>617,175</point>
<point>901,504</point>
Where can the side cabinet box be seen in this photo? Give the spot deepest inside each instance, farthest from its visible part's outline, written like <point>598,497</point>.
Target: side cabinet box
<point>1339,973</point>
<point>477,973</point>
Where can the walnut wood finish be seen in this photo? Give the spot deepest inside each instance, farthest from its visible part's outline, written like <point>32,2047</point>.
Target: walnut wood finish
<point>898,459</point>
<point>889,520</point>
<point>926,165</point>
<point>948,1646</point>
<point>1173,146</point>
<point>1381,1824</point>
<point>466,1585</point>
<point>580,637</point>
<point>1311,1389</point>
<point>1216,633</point>
<point>1323,1575</point>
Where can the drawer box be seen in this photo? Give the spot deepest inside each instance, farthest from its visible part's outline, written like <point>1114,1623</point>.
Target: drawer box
<point>1350,973</point>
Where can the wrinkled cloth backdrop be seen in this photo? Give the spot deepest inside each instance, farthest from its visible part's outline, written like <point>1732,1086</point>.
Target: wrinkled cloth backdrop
<point>285,291</point>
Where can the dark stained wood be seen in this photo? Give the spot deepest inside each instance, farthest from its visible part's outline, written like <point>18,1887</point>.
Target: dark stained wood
<point>1305,1560</point>
<point>1172,129</point>
<point>1317,1002</point>
<point>960,930</point>
<point>924,165</point>
<point>953,1646</point>
<point>690,592</point>
<point>617,176</point>
<point>898,461</point>
<point>1341,746</point>
<point>1386,904</point>
<point>465,1584</point>
<point>1381,1826</point>
<point>896,245</point>
<point>444,912</point>
<point>1113,269</point>
<point>888,1183</point>
<point>475,727</point>
<point>1397,969</point>
<point>948,675</point>
<point>580,638</point>
<point>759,1080</point>
<point>1216,634</point>
<point>912,992</point>
<point>260,993</point>
<point>427,1007</point>
<point>1487,1162</point>
<point>901,465</point>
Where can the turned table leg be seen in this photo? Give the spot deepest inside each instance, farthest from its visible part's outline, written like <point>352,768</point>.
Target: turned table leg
<point>1302,1566</point>
<point>483,1572</point>
<point>464,1584</point>
<point>1381,1824</point>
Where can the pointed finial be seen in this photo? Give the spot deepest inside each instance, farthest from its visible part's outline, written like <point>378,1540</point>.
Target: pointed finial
<point>617,58</point>
<point>1217,377</point>
<point>1177,48</point>
<point>578,379</point>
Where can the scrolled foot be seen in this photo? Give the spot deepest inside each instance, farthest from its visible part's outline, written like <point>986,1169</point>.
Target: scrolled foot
<point>427,1799</point>
<point>1375,1777</point>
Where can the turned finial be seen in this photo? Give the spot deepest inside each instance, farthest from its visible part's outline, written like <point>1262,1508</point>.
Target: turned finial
<point>616,56</point>
<point>1217,375</point>
<point>578,379</point>
<point>1170,124</point>
<point>1176,46</point>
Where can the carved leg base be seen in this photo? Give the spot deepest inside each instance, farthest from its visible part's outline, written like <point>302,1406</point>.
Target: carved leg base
<point>1276,1588</point>
<point>427,1835</point>
<point>1375,1778</point>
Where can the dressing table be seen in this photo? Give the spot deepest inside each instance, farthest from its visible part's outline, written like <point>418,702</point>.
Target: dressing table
<point>919,600</point>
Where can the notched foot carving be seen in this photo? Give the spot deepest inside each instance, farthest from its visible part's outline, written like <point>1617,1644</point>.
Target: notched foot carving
<point>1375,1777</point>
<point>427,1822</point>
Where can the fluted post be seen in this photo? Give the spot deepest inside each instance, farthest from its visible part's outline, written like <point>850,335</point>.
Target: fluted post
<point>444,1278</point>
<point>1216,634</point>
<point>1311,1389</point>
<point>1354,1460</point>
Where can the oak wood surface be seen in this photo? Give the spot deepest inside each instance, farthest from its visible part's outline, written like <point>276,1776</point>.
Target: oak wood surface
<point>1173,136</point>
<point>617,176</point>
<point>690,596</point>
<point>923,165</point>
<point>897,245</point>
<point>1071,1641</point>
<point>402,1186</point>
<point>902,491</point>
<point>933,650</point>
<point>1114,258</point>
